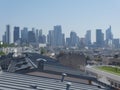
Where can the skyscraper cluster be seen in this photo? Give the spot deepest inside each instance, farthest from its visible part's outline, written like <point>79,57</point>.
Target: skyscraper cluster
<point>23,36</point>
<point>6,37</point>
<point>55,38</point>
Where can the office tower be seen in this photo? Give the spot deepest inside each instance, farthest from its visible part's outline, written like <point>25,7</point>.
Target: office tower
<point>33,30</point>
<point>40,32</point>
<point>68,42</point>
<point>116,43</point>
<point>58,35</point>
<point>37,35</point>
<point>50,38</point>
<point>40,39</point>
<point>88,38</point>
<point>43,39</point>
<point>16,34</point>
<point>109,36</point>
<point>63,39</point>
<point>99,38</point>
<point>82,43</point>
<point>31,37</point>
<point>24,35</point>
<point>73,39</point>
<point>4,38</point>
<point>7,34</point>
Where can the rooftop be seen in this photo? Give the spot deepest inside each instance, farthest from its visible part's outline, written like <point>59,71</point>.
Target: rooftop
<point>13,81</point>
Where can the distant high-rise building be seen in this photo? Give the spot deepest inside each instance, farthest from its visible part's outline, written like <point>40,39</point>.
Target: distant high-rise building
<point>24,35</point>
<point>88,38</point>
<point>50,38</point>
<point>58,35</point>
<point>43,39</point>
<point>116,43</point>
<point>40,36</point>
<point>68,42</point>
<point>56,38</point>
<point>33,30</point>
<point>16,34</point>
<point>63,39</point>
<point>4,38</point>
<point>74,39</point>
<point>31,37</point>
<point>7,34</point>
<point>40,32</point>
<point>109,36</point>
<point>82,43</point>
<point>37,35</point>
<point>99,38</point>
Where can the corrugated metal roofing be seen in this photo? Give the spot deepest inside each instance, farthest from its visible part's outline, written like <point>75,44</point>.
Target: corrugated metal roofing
<point>13,81</point>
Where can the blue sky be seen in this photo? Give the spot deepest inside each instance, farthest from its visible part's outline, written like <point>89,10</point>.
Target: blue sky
<point>73,15</point>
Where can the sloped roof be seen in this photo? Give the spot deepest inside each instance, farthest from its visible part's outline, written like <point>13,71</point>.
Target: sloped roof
<point>13,81</point>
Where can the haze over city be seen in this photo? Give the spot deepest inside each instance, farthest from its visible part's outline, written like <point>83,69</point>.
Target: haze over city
<point>59,45</point>
<point>72,15</point>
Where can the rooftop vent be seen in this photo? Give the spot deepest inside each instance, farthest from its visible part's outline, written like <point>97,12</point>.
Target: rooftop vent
<point>63,76</point>
<point>68,85</point>
<point>33,86</point>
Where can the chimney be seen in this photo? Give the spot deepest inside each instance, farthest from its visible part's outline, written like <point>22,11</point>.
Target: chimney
<point>63,76</point>
<point>41,63</point>
<point>68,85</point>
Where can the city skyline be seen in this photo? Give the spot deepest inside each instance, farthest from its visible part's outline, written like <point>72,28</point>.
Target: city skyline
<point>93,34</point>
<point>77,15</point>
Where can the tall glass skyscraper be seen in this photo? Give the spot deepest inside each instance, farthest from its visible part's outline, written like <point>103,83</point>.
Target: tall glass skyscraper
<point>7,34</point>
<point>24,34</point>
<point>99,38</point>
<point>88,38</point>
<point>58,35</point>
<point>16,34</point>
<point>109,36</point>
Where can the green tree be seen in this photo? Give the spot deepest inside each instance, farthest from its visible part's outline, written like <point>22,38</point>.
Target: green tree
<point>2,53</point>
<point>42,51</point>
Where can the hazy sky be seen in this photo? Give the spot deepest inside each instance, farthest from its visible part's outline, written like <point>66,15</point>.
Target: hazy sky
<point>73,15</point>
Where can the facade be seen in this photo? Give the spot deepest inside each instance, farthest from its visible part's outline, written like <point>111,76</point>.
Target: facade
<point>50,38</point>
<point>99,38</point>
<point>4,38</point>
<point>16,34</point>
<point>7,34</point>
<point>68,42</point>
<point>73,39</point>
<point>116,43</point>
<point>31,37</point>
<point>58,35</point>
<point>63,39</point>
<point>109,36</point>
<point>56,38</point>
<point>24,34</point>
<point>88,38</point>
